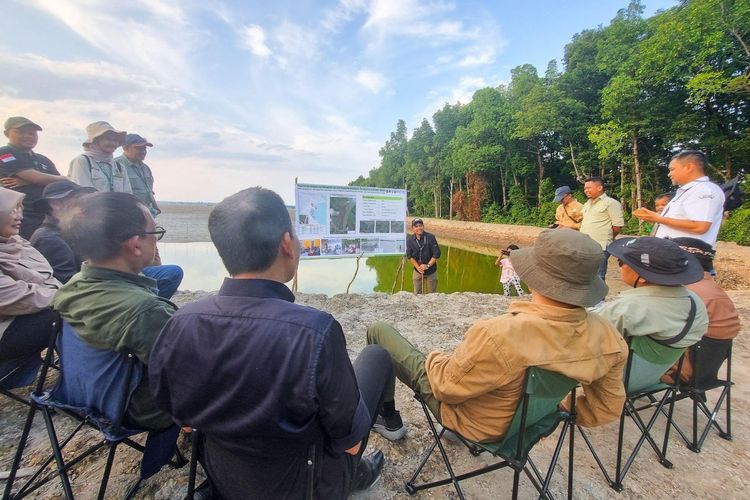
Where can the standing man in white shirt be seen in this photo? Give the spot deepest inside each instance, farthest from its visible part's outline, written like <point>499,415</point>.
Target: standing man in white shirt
<point>698,205</point>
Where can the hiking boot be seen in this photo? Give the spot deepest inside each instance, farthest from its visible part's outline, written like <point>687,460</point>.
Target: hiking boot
<point>368,470</point>
<point>392,427</point>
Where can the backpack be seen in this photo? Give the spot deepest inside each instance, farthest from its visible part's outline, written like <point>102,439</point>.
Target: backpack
<point>733,192</point>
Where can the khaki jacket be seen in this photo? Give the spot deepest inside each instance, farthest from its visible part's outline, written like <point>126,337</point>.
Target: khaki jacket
<point>569,215</point>
<point>480,385</point>
<point>26,283</point>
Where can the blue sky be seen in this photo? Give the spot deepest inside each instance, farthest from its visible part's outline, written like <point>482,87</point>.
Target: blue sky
<point>243,93</point>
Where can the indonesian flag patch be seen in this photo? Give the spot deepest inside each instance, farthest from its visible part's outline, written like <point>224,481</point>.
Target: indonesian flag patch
<point>7,157</point>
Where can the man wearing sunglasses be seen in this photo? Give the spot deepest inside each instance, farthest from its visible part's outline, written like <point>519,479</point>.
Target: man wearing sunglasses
<point>110,304</point>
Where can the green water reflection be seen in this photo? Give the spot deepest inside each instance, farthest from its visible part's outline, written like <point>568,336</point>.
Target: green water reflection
<point>459,270</point>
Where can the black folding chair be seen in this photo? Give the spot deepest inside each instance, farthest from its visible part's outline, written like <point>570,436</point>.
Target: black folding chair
<point>536,416</point>
<point>11,379</point>
<point>707,357</point>
<point>644,390</point>
<point>114,376</point>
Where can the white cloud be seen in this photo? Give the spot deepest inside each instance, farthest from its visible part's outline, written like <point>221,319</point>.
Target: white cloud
<point>163,45</point>
<point>297,42</point>
<point>371,80</point>
<point>253,38</point>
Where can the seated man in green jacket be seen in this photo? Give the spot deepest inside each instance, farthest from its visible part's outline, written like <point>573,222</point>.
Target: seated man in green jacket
<point>109,303</point>
<point>656,312</point>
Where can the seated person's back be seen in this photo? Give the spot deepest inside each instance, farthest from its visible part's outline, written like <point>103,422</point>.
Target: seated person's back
<point>268,382</point>
<point>475,391</point>
<point>109,304</point>
<point>656,311</point>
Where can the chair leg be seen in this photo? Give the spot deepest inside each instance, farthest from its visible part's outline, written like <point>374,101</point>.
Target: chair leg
<point>107,470</point>
<point>728,434</point>
<point>595,455</point>
<point>19,452</point>
<point>193,464</point>
<point>58,454</point>
<point>617,484</point>
<point>571,451</point>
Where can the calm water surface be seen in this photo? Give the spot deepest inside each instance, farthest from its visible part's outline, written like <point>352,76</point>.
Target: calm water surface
<point>458,271</point>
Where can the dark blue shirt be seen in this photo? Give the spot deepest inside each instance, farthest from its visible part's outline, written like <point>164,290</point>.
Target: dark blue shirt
<point>423,249</point>
<point>263,379</point>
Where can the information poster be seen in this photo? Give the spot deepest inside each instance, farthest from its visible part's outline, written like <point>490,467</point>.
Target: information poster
<point>337,221</point>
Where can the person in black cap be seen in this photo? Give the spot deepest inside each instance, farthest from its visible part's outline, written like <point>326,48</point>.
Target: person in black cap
<point>56,199</point>
<point>423,251</point>
<point>24,170</point>
<point>134,151</point>
<point>660,314</point>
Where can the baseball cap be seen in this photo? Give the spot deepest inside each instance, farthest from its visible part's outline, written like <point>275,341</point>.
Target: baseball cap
<point>561,192</point>
<point>417,221</point>
<point>136,140</point>
<point>18,122</point>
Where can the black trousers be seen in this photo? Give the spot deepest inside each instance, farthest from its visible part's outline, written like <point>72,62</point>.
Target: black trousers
<point>27,335</point>
<point>237,475</point>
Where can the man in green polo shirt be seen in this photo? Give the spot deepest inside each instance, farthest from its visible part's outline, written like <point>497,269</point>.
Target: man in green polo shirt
<point>110,304</point>
<point>602,218</point>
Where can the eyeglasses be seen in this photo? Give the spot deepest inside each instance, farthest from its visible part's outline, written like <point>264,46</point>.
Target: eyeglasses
<point>158,231</point>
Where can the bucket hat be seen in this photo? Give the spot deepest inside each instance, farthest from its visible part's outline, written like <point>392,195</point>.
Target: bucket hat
<point>657,260</point>
<point>97,129</point>
<point>9,199</point>
<point>563,265</point>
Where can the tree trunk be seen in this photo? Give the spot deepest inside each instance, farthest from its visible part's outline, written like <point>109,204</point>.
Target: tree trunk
<point>450,202</point>
<point>623,177</point>
<point>637,173</point>
<point>503,176</point>
<point>579,176</point>
<point>729,170</point>
<point>526,186</point>
<point>540,164</point>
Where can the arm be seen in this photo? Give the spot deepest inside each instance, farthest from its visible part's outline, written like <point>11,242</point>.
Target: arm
<point>464,375</point>
<point>20,297</point>
<point>602,400</point>
<point>616,230</point>
<point>341,410</point>
<point>690,226</point>
<point>79,171</point>
<point>32,176</point>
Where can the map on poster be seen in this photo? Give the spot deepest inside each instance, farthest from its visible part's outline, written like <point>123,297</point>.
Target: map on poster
<point>348,221</point>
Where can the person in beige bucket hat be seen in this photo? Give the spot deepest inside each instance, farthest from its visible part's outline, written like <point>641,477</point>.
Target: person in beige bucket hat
<point>96,167</point>
<point>475,390</point>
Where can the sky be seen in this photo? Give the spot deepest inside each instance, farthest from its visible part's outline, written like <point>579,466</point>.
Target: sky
<point>246,93</point>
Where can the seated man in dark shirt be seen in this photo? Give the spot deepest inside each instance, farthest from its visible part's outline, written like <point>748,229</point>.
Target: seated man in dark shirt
<point>268,383</point>
<point>56,198</point>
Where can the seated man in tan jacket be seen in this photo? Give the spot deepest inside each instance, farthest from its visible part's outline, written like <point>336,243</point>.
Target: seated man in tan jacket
<point>475,390</point>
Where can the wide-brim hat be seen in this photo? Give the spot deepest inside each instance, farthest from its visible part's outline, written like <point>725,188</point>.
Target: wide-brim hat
<point>59,190</point>
<point>657,260</point>
<point>98,129</point>
<point>562,265</point>
<point>9,199</point>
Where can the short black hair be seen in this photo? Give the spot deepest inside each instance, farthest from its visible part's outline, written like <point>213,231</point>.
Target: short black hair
<point>699,157</point>
<point>596,179</point>
<point>669,195</point>
<point>96,225</point>
<point>512,246</point>
<point>247,227</point>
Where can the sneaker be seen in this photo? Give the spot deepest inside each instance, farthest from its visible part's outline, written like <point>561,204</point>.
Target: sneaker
<point>392,428</point>
<point>368,470</point>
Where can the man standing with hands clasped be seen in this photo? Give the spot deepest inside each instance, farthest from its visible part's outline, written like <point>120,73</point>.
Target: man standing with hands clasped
<point>423,251</point>
<point>602,218</point>
<point>698,205</point>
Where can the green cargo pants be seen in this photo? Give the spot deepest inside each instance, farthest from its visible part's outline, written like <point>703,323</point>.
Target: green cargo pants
<point>408,364</point>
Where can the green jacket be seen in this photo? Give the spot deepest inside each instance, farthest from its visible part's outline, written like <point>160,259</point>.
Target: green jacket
<point>118,311</point>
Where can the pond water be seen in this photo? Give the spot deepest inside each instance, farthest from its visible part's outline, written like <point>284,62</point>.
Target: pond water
<point>459,270</point>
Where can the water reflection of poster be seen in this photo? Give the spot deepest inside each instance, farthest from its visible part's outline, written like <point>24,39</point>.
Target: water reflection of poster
<point>348,221</point>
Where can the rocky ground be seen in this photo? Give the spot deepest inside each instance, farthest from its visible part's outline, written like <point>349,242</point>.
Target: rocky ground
<point>437,322</point>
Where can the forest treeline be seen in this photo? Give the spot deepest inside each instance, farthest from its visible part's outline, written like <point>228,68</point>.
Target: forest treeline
<point>628,96</point>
